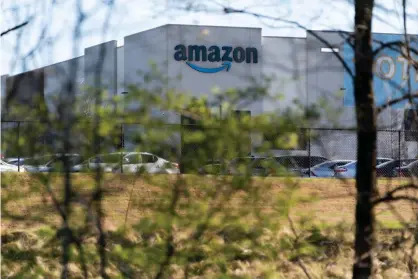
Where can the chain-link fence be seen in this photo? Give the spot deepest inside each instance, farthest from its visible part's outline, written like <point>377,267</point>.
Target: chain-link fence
<point>322,152</point>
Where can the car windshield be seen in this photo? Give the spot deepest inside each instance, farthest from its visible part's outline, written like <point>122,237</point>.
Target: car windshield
<point>411,164</point>
<point>300,161</point>
<point>37,161</point>
<point>395,164</point>
<point>328,164</point>
<point>324,165</point>
<point>4,163</point>
<point>349,165</point>
<point>380,161</point>
<point>316,160</point>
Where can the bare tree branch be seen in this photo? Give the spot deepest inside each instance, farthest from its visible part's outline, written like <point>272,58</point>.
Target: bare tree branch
<point>396,101</point>
<point>390,198</point>
<point>229,10</point>
<point>297,238</point>
<point>389,195</point>
<point>169,247</point>
<point>14,28</point>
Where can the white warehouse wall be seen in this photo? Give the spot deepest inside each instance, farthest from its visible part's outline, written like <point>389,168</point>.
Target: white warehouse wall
<point>284,60</point>
<point>158,46</point>
<point>56,76</point>
<point>202,84</point>
<point>100,62</point>
<point>120,76</point>
<point>299,68</point>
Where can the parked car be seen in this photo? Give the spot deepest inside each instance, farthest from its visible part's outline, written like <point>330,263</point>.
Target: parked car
<point>50,163</point>
<point>273,168</point>
<point>408,170</point>
<point>15,161</point>
<point>413,168</point>
<point>258,166</point>
<point>349,170</point>
<point>214,167</point>
<point>299,163</point>
<point>142,161</point>
<point>325,169</point>
<point>382,160</point>
<point>388,169</point>
<point>107,162</point>
<point>5,167</point>
<point>244,165</point>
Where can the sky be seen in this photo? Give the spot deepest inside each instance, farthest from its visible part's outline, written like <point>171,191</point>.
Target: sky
<point>56,22</point>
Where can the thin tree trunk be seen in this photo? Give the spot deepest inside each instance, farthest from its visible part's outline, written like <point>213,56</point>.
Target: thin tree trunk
<point>366,140</point>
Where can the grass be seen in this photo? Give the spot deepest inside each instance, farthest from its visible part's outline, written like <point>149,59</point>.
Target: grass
<point>29,222</point>
<point>328,200</point>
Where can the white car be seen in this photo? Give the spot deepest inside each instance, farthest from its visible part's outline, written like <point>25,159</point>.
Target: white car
<point>5,167</point>
<point>49,163</point>
<point>106,162</point>
<point>142,161</point>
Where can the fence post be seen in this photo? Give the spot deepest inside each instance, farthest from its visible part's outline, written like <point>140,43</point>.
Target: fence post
<point>309,149</point>
<point>122,146</point>
<point>399,151</point>
<point>18,146</point>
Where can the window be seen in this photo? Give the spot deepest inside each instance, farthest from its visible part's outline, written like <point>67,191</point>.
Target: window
<point>75,160</point>
<point>381,161</point>
<point>148,158</point>
<point>259,163</point>
<point>299,161</point>
<point>111,158</point>
<point>37,161</point>
<point>264,163</point>
<point>407,162</point>
<point>329,49</point>
<point>132,159</point>
<point>285,162</point>
<point>316,160</point>
<point>96,160</point>
<point>325,165</point>
<point>352,165</point>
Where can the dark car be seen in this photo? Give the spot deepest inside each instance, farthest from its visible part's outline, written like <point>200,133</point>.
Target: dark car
<point>246,165</point>
<point>388,169</point>
<point>299,163</point>
<point>15,161</point>
<point>258,166</point>
<point>413,168</point>
<point>325,169</point>
<point>408,170</point>
<point>214,167</point>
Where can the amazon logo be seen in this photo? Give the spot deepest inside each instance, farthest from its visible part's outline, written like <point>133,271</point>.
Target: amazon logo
<point>225,55</point>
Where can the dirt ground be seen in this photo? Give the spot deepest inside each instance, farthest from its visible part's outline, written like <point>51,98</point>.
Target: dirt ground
<point>26,203</point>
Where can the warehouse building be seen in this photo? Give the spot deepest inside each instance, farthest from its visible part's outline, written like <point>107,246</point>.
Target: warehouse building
<point>196,59</point>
